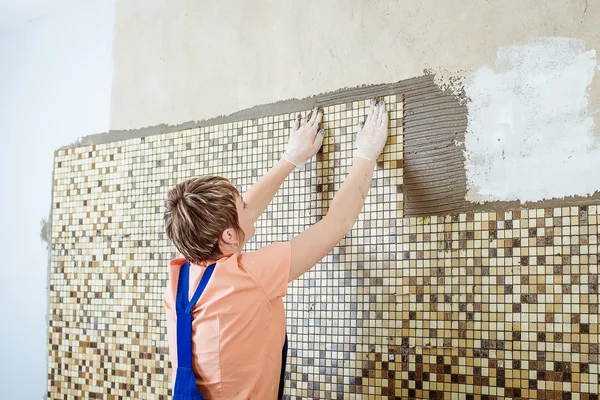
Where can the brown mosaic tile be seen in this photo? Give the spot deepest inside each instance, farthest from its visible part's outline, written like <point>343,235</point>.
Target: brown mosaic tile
<point>486,305</point>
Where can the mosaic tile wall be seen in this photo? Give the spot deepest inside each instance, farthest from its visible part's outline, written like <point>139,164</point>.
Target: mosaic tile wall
<point>477,306</point>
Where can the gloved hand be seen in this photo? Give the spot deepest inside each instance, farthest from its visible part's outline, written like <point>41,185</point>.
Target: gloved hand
<point>372,135</point>
<point>304,140</point>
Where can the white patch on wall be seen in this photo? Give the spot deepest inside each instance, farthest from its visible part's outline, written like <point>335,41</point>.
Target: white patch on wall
<point>530,136</point>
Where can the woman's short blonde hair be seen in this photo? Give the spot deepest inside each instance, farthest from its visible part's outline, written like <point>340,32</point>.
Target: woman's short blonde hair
<point>197,212</point>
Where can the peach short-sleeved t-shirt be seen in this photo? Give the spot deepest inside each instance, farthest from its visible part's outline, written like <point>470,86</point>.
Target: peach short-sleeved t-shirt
<point>238,323</point>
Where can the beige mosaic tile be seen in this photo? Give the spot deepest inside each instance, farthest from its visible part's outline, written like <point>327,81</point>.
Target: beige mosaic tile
<point>477,306</point>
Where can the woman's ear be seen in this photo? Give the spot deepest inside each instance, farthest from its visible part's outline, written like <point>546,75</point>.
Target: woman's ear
<point>229,237</point>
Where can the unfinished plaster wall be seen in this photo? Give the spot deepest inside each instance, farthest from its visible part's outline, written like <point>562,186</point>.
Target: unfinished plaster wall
<point>183,60</point>
<point>530,132</point>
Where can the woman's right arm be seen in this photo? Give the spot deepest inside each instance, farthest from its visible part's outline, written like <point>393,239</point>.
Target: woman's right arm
<point>309,247</point>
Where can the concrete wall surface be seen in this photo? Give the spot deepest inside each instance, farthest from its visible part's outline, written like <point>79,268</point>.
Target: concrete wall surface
<point>185,60</point>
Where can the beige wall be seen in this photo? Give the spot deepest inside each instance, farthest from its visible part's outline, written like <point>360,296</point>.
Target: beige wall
<point>184,60</point>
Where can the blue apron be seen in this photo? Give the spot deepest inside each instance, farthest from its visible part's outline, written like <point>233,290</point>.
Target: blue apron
<point>185,380</point>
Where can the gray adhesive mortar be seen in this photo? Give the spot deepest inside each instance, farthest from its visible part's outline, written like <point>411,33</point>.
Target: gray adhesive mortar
<point>435,122</point>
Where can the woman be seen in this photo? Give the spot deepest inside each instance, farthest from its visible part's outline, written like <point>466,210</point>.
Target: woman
<point>229,340</point>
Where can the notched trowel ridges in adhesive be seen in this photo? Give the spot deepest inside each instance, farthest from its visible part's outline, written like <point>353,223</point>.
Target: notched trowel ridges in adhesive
<point>434,175</point>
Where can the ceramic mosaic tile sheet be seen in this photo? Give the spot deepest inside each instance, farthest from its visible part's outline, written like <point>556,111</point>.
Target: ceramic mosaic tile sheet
<point>474,306</point>
<point>109,252</point>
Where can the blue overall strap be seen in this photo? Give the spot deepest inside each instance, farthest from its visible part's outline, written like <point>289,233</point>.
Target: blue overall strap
<point>184,314</point>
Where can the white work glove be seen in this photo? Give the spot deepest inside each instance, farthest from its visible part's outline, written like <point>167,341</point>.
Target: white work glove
<point>304,140</point>
<point>372,135</point>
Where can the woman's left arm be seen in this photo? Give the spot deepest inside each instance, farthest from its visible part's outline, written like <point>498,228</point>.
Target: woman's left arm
<point>303,144</point>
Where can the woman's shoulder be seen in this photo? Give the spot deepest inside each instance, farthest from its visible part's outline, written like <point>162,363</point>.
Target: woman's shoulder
<point>175,265</point>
